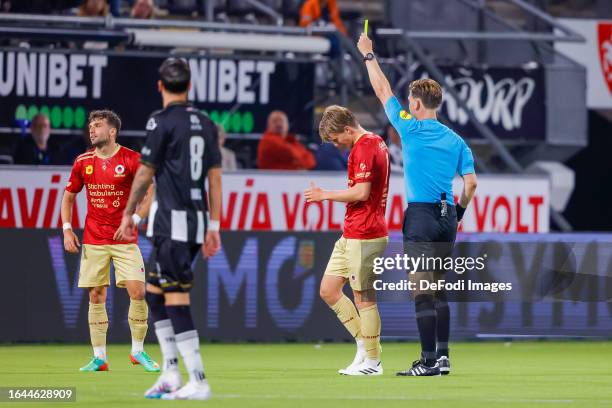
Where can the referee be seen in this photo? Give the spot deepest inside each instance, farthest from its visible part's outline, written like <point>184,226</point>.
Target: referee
<point>181,151</point>
<point>433,154</point>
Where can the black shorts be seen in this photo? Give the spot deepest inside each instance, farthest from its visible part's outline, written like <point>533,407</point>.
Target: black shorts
<point>173,261</point>
<point>428,233</point>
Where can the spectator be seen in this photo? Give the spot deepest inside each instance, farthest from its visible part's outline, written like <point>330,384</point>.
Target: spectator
<point>228,158</point>
<point>315,10</point>
<point>279,149</point>
<point>36,149</point>
<point>93,8</point>
<point>394,144</point>
<point>143,9</point>
<point>329,157</point>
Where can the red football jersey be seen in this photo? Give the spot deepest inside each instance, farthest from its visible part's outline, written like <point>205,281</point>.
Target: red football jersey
<point>368,162</point>
<point>108,182</point>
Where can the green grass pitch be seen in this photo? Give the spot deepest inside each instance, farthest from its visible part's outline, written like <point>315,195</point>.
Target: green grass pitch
<point>519,374</point>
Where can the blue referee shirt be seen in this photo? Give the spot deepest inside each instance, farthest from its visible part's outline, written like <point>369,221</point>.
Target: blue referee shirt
<point>432,153</point>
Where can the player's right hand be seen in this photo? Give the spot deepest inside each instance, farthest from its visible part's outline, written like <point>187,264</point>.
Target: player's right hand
<point>71,242</point>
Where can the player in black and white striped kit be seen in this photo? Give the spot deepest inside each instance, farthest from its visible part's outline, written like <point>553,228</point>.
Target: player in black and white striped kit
<point>181,151</point>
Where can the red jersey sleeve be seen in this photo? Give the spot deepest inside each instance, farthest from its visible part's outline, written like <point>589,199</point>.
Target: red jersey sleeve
<point>363,163</point>
<point>75,183</point>
<point>134,163</point>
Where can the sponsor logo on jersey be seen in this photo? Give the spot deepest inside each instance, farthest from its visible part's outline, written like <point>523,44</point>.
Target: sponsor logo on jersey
<point>405,115</point>
<point>151,124</point>
<point>89,169</point>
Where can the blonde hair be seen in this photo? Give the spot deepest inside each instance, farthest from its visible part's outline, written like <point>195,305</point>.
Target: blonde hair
<point>334,120</point>
<point>428,91</point>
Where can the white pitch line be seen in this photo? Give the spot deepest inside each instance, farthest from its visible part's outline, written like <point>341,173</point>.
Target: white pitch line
<point>394,398</point>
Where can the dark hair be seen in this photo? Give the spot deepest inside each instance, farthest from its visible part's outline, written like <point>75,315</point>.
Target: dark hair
<point>428,91</point>
<point>111,118</point>
<point>175,75</point>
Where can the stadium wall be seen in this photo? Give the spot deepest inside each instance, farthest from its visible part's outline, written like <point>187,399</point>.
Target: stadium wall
<point>30,197</point>
<point>263,286</point>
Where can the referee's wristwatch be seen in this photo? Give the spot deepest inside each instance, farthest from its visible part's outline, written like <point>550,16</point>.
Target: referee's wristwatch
<point>369,57</point>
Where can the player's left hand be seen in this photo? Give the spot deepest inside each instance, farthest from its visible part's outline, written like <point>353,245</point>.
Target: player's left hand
<point>127,229</point>
<point>364,44</point>
<point>314,193</point>
<point>212,245</point>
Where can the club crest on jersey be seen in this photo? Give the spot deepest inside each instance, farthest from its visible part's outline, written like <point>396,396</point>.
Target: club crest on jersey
<point>195,122</point>
<point>151,124</point>
<point>119,170</point>
<point>89,169</point>
<point>405,115</point>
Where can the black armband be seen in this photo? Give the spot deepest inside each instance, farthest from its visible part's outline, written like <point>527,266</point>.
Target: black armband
<point>460,212</point>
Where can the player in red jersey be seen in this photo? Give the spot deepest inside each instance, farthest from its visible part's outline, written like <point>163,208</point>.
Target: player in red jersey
<point>364,235</point>
<point>107,171</point>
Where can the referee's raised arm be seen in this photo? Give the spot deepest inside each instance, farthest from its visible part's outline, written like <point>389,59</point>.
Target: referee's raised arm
<point>379,81</point>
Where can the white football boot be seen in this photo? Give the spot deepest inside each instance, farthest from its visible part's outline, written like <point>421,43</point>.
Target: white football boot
<point>360,355</point>
<point>168,381</point>
<point>367,367</point>
<point>190,391</point>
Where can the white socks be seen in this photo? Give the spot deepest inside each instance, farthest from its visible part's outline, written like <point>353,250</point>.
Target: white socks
<point>100,352</point>
<point>167,344</point>
<point>137,346</point>
<point>360,346</point>
<point>188,344</point>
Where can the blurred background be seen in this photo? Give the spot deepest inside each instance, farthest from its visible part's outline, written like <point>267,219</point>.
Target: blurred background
<point>528,84</point>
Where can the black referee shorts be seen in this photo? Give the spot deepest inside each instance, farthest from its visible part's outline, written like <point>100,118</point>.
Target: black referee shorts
<point>173,260</point>
<point>428,233</point>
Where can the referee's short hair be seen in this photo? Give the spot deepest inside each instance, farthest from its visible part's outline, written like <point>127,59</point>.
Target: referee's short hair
<point>334,120</point>
<point>428,91</point>
<point>111,118</point>
<point>175,74</point>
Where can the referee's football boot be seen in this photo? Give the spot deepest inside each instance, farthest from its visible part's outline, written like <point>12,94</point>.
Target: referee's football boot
<point>444,363</point>
<point>419,369</point>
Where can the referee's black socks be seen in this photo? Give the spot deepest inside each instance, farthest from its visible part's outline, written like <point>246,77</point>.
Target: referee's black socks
<point>426,322</point>
<point>442,324</point>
